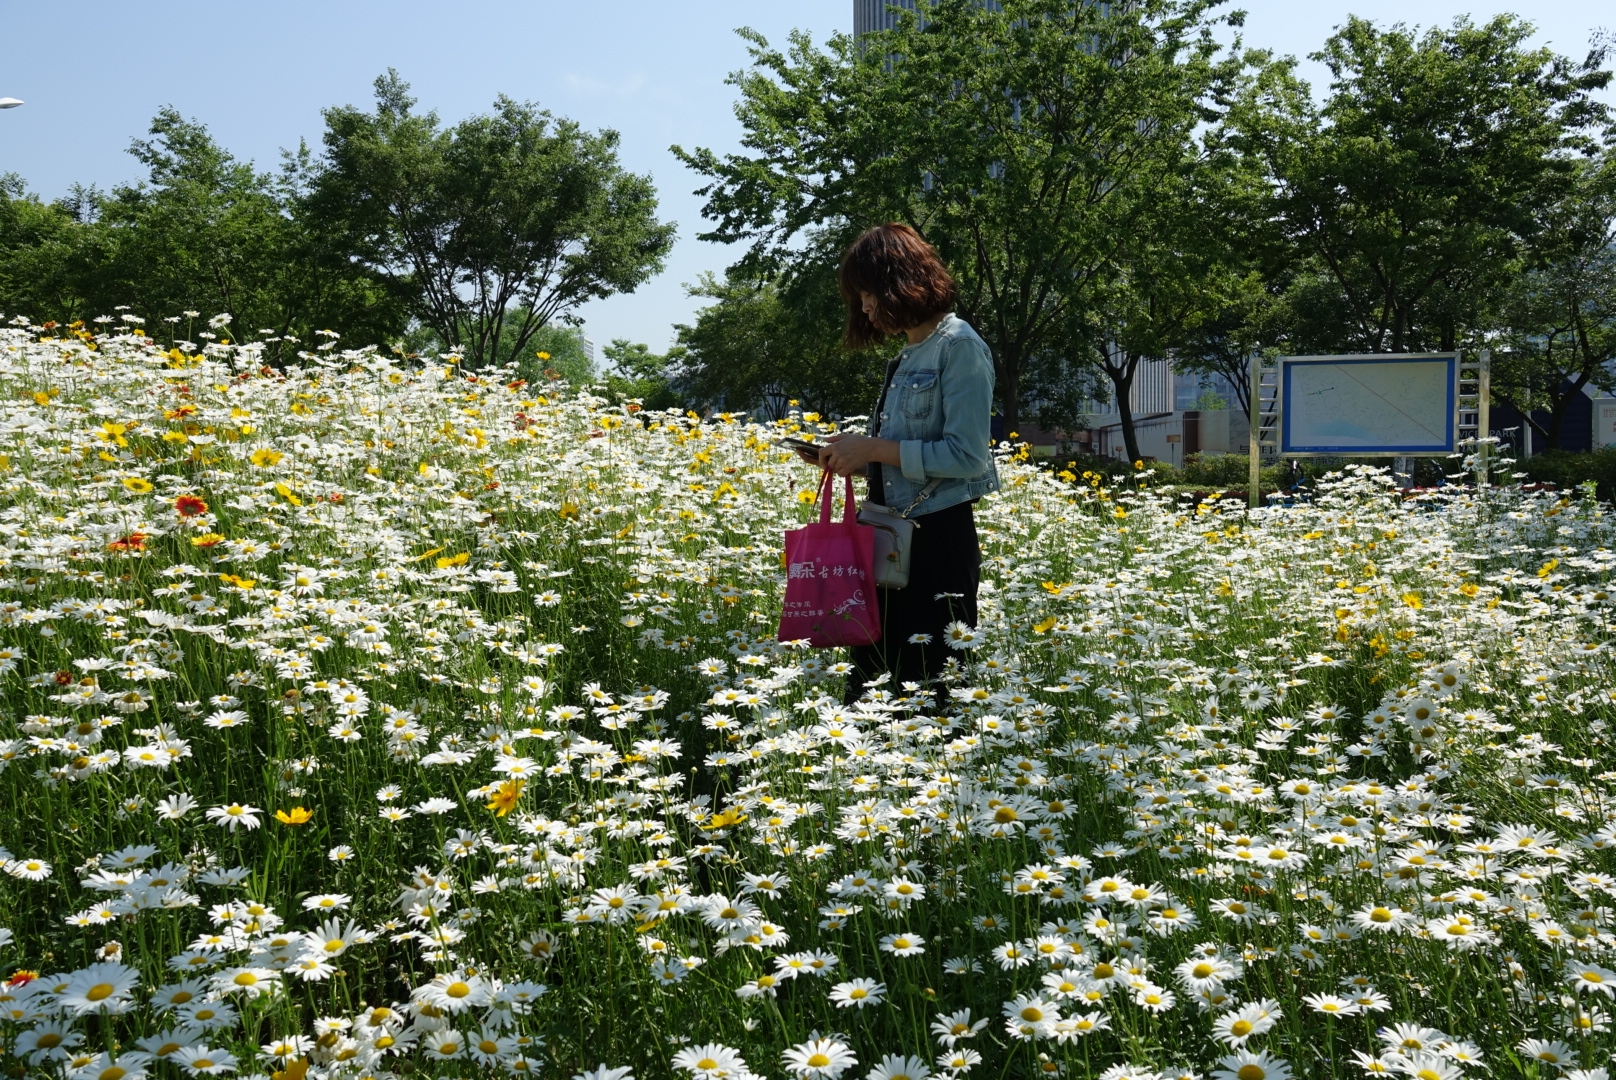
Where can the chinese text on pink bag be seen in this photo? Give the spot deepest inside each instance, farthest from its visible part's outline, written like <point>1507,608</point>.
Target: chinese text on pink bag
<point>830,578</point>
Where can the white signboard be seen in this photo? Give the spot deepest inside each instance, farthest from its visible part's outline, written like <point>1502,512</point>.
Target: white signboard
<point>1604,422</point>
<point>1377,404</point>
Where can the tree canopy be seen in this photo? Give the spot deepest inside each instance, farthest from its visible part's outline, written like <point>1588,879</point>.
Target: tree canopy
<point>514,215</point>
<point>1008,135</point>
<point>1411,186</point>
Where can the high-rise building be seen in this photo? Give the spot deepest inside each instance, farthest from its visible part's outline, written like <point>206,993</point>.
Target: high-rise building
<point>870,15</point>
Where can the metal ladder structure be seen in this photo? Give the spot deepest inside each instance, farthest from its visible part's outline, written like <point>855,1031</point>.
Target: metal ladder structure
<point>1475,393</point>
<point>1264,423</point>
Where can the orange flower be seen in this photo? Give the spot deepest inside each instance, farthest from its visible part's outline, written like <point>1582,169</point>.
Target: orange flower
<point>135,541</point>
<point>190,505</point>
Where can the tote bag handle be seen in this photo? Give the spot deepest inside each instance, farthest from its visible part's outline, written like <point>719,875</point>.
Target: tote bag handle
<point>827,495</point>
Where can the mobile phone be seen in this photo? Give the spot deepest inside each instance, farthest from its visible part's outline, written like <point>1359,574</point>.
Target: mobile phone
<point>801,446</point>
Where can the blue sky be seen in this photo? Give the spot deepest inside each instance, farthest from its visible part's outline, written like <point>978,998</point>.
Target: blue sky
<point>258,74</point>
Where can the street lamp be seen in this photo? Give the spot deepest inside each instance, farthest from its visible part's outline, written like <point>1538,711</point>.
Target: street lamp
<point>9,102</point>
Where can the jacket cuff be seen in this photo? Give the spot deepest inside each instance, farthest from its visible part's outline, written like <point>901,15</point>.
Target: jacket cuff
<point>912,461</point>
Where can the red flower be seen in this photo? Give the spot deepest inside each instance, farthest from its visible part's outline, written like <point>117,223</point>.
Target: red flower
<point>190,505</point>
<point>135,541</point>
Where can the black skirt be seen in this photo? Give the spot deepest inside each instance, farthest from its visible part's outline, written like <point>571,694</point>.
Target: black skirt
<point>945,567</point>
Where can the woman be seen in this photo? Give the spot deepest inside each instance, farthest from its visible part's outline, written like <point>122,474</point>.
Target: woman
<point>927,455</point>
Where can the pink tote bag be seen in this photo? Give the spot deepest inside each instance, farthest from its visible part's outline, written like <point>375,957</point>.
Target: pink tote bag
<point>830,578</point>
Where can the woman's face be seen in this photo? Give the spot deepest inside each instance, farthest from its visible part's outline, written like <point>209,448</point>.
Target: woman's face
<point>872,309</point>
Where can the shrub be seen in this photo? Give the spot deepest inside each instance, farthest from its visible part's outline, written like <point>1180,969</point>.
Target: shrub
<point>1567,469</point>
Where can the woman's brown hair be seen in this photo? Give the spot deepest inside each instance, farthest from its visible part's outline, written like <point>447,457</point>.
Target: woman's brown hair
<point>893,264</point>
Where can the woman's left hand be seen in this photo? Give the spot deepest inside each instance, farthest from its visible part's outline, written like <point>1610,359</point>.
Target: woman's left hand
<point>845,455</point>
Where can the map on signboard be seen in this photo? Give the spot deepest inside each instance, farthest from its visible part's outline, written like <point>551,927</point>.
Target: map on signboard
<point>1367,405</point>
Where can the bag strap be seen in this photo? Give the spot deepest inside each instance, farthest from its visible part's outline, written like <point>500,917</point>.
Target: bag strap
<point>924,494</point>
<point>827,495</point>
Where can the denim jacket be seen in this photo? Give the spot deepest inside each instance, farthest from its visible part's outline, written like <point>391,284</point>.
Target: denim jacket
<point>937,410</point>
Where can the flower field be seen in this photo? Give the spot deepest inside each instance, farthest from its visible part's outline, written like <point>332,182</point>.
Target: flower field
<point>376,719</point>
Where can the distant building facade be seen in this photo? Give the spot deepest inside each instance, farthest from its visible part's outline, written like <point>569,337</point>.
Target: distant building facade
<point>872,15</point>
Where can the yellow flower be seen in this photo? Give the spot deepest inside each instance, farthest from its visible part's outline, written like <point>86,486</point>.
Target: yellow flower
<point>454,560</point>
<point>174,436</point>
<point>505,797</point>
<point>1413,600</point>
<point>724,819</point>
<point>1045,626</point>
<point>238,582</point>
<point>207,540</point>
<point>265,457</point>
<point>286,493</point>
<point>41,398</point>
<point>137,485</point>
<point>296,816</point>
<point>568,511</point>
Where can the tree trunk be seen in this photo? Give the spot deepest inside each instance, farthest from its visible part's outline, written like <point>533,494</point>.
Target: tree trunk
<point>1122,387</point>
<point>1010,392</point>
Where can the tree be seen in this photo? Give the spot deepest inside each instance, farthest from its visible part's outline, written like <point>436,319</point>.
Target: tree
<point>1003,133</point>
<point>558,348</point>
<point>37,242</point>
<point>1560,314</point>
<point>760,345</point>
<point>638,373</point>
<point>1413,184</point>
<point>1165,279</point>
<point>490,229</point>
<point>202,231</point>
